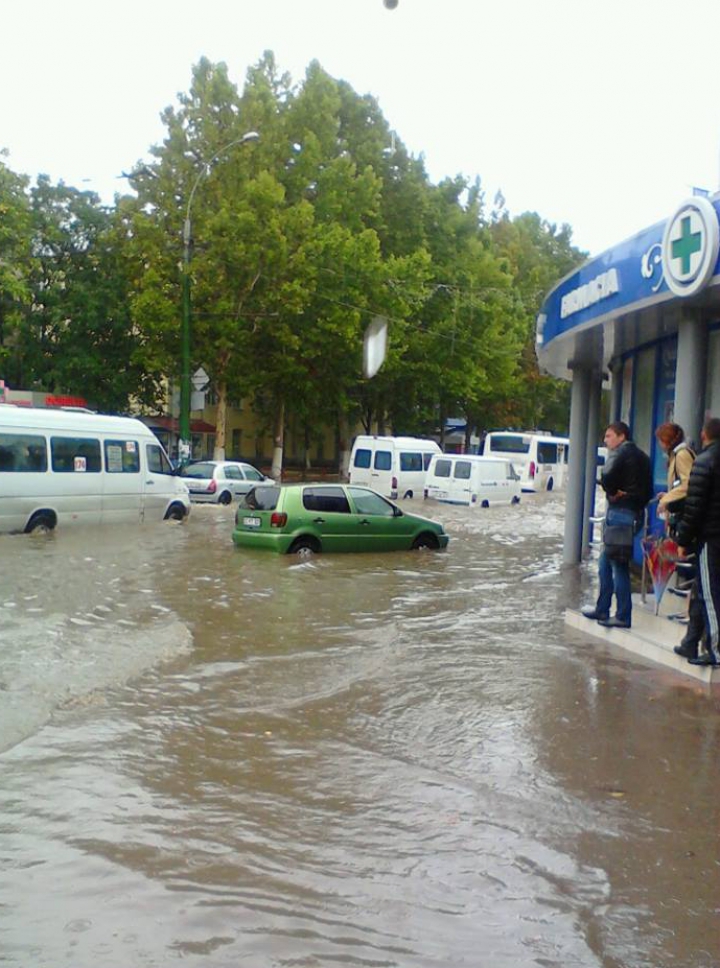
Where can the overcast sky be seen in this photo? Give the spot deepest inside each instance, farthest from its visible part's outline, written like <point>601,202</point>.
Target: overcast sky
<point>602,115</point>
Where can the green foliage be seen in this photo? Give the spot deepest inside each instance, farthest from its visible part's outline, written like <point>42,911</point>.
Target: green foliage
<point>297,242</point>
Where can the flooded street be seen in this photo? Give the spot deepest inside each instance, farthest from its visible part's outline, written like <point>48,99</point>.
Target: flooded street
<point>222,758</point>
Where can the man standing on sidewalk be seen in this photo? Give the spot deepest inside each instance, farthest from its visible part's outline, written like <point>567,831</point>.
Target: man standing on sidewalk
<point>626,479</point>
<point>700,525</point>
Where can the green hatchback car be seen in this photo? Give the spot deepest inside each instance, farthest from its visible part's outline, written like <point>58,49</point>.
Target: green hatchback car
<point>306,519</point>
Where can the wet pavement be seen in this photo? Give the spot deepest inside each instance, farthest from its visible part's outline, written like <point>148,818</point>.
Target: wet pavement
<point>222,758</point>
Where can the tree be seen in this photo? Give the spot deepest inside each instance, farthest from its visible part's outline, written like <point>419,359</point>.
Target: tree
<point>15,268</point>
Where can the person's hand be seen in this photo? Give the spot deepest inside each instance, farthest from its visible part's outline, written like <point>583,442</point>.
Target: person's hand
<point>682,552</point>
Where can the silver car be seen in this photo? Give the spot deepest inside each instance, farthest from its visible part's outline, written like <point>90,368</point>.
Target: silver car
<point>219,481</point>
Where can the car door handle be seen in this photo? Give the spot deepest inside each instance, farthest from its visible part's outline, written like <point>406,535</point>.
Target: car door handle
<point>318,520</point>
<point>149,482</point>
<point>364,521</point>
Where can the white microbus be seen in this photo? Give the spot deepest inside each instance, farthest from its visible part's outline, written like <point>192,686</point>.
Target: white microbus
<point>472,480</point>
<point>60,467</point>
<point>539,459</point>
<point>393,466</point>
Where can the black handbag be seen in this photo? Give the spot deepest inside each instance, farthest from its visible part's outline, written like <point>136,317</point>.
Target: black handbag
<point>618,541</point>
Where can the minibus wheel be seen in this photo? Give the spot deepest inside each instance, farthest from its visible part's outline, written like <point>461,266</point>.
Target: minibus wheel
<point>41,523</point>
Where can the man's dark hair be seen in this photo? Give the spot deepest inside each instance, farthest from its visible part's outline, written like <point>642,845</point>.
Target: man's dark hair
<point>711,428</point>
<point>620,427</point>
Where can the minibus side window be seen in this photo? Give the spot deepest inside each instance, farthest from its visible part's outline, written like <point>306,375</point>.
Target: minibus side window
<point>157,461</point>
<point>22,453</point>
<point>122,457</point>
<point>547,453</point>
<point>383,460</point>
<point>426,460</point>
<point>362,458</point>
<point>411,462</point>
<point>75,455</point>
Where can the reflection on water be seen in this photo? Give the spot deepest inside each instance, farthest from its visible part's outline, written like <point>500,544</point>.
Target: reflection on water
<point>234,759</point>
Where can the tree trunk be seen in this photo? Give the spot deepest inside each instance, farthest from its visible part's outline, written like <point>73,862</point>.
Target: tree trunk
<point>468,434</point>
<point>306,450</point>
<point>220,421</point>
<point>343,446</point>
<point>278,441</point>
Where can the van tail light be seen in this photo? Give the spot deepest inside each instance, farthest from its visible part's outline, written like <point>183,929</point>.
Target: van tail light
<point>278,519</point>
<point>212,487</point>
<point>394,484</point>
<point>532,470</point>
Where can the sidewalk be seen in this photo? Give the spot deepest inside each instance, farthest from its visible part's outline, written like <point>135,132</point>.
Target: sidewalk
<point>651,636</point>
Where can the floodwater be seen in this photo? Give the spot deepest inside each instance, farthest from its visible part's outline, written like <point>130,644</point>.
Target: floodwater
<point>233,760</point>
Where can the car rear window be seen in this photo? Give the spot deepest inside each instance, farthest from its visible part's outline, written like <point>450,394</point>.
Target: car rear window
<point>260,498</point>
<point>442,468</point>
<point>328,499</point>
<point>203,472</point>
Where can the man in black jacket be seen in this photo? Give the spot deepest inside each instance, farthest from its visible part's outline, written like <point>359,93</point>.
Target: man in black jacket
<point>626,479</point>
<point>700,525</point>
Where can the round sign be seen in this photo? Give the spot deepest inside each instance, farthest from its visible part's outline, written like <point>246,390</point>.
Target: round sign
<point>690,246</point>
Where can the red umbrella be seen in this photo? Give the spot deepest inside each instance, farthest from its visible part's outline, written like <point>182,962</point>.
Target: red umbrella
<point>661,557</point>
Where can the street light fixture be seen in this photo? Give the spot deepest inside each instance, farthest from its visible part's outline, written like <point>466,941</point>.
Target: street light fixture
<point>184,445</point>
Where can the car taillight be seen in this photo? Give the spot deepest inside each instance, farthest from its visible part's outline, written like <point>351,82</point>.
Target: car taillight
<point>394,483</point>
<point>212,487</point>
<point>532,469</point>
<point>278,520</point>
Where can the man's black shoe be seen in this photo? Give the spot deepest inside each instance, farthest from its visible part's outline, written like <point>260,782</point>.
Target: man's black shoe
<point>686,650</point>
<point>703,660</point>
<point>587,611</point>
<point>613,623</point>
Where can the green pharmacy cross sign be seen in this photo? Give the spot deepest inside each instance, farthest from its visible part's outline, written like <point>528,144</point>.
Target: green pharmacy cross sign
<point>690,247</point>
<point>687,245</point>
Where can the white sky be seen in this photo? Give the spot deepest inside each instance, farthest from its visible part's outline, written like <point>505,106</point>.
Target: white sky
<point>602,115</point>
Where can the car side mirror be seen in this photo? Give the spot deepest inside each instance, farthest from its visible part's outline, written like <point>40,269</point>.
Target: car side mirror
<point>397,513</point>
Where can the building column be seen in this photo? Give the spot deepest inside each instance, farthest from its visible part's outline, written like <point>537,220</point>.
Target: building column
<point>593,439</point>
<point>575,499</point>
<point>616,378</point>
<point>690,375</point>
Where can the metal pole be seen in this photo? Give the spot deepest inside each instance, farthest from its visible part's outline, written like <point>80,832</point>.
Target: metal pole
<point>184,446</point>
<point>575,493</point>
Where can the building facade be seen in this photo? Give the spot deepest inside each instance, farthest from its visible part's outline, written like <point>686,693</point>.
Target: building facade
<point>642,319</point>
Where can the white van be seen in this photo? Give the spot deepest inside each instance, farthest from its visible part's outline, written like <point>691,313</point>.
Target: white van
<point>393,466</point>
<point>60,467</point>
<point>471,479</point>
<point>539,459</point>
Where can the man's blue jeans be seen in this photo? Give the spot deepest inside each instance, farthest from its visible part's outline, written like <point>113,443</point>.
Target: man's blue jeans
<point>615,575</point>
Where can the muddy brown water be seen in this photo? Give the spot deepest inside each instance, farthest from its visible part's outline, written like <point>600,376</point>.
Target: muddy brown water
<point>221,758</point>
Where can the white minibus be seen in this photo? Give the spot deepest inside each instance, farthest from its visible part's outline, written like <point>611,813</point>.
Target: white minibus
<point>472,480</point>
<point>539,459</point>
<point>393,466</point>
<point>60,467</point>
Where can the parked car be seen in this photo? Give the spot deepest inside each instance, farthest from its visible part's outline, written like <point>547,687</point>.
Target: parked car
<point>308,518</point>
<point>218,481</point>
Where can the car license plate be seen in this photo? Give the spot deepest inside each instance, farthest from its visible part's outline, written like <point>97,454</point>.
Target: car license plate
<point>251,522</point>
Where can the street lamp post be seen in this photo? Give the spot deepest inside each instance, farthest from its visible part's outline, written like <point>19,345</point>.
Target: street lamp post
<point>184,446</point>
